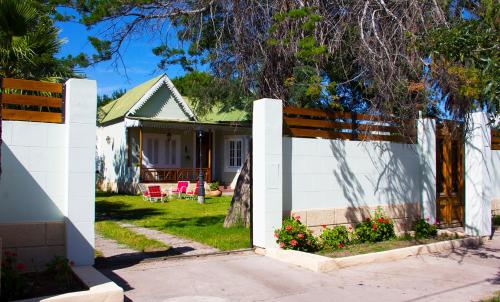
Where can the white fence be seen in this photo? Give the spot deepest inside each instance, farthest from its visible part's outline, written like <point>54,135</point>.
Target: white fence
<point>339,181</point>
<point>47,184</point>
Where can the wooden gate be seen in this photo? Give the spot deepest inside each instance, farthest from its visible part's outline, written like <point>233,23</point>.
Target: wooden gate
<point>450,174</point>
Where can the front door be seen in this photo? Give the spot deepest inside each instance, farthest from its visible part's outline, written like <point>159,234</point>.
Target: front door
<point>450,174</point>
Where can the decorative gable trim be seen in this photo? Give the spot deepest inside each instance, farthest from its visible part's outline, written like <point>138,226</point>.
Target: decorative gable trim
<point>178,98</point>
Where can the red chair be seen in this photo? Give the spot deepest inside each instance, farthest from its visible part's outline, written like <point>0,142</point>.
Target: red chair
<point>192,193</point>
<point>155,194</point>
<point>181,188</point>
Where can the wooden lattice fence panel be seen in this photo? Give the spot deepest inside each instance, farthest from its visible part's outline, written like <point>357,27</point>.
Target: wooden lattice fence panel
<point>26,100</point>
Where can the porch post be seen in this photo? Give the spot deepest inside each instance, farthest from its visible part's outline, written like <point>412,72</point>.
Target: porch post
<point>426,137</point>
<point>140,153</point>
<point>478,176</point>
<point>267,172</point>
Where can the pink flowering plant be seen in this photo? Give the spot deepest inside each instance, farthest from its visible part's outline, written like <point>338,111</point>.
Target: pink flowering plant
<point>336,238</point>
<point>293,235</point>
<point>378,227</point>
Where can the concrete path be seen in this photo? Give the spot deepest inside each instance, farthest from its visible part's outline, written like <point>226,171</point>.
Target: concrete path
<point>179,245</point>
<point>462,275</point>
<point>111,248</point>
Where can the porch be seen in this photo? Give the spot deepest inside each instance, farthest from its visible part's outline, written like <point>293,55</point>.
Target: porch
<point>154,175</point>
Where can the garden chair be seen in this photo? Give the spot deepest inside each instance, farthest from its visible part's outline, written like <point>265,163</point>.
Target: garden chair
<point>144,192</point>
<point>181,188</point>
<point>192,191</point>
<point>155,194</point>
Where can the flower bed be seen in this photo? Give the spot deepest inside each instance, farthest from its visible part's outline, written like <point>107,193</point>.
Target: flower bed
<point>57,278</point>
<point>375,234</point>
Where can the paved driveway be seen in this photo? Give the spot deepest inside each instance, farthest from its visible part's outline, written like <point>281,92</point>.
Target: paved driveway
<point>463,275</point>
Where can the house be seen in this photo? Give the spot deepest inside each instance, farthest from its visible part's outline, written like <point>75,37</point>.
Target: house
<point>152,135</point>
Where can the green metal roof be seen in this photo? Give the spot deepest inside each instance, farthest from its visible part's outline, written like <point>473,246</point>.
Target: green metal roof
<point>216,115</point>
<point>119,107</point>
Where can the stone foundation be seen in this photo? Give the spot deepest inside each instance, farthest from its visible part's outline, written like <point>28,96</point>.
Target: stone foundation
<point>35,243</point>
<point>403,215</point>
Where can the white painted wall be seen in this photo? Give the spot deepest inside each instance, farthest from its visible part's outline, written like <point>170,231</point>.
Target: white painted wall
<point>322,173</point>
<point>49,171</point>
<point>112,159</point>
<point>32,184</point>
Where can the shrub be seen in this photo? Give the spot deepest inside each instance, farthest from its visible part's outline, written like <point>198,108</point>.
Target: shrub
<point>375,229</point>
<point>214,185</point>
<point>423,229</point>
<point>13,283</point>
<point>60,268</point>
<point>293,235</point>
<point>335,238</point>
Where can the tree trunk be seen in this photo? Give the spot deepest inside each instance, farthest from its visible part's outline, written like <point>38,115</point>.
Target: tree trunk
<point>239,211</point>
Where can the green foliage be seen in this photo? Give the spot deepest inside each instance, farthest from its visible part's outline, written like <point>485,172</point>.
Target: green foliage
<point>335,238</point>
<point>13,284</point>
<point>293,235</point>
<point>29,43</point>
<point>105,99</point>
<point>214,185</point>
<point>466,59</point>
<point>60,268</point>
<point>375,229</point>
<point>206,92</point>
<point>424,230</point>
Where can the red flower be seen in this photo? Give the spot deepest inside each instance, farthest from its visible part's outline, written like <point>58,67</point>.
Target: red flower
<point>288,227</point>
<point>297,218</point>
<point>300,236</point>
<point>386,221</point>
<point>276,235</point>
<point>350,227</point>
<point>323,226</point>
<point>368,219</point>
<point>20,267</point>
<point>293,242</point>
<point>282,245</point>
<point>380,220</point>
<point>374,226</point>
<point>340,245</point>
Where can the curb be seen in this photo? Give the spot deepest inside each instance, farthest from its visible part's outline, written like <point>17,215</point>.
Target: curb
<point>324,264</point>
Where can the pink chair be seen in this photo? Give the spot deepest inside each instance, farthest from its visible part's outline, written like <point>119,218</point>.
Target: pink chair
<point>181,188</point>
<point>155,194</point>
<point>192,193</point>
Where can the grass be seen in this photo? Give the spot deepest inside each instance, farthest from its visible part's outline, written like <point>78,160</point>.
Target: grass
<point>184,218</point>
<point>138,242</point>
<point>495,297</point>
<point>365,248</point>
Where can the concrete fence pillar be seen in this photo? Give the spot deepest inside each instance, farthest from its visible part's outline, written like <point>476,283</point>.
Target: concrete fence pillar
<point>426,145</point>
<point>80,196</point>
<point>267,175</point>
<point>478,176</point>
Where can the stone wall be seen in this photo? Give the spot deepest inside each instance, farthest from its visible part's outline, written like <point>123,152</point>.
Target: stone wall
<point>35,243</point>
<point>403,215</point>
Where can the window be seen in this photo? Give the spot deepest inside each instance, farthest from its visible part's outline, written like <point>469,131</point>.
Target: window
<point>152,146</point>
<point>170,158</point>
<point>161,151</point>
<point>234,153</point>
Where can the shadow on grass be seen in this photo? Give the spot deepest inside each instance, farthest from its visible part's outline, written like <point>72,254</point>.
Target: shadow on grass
<point>195,221</point>
<point>118,210</point>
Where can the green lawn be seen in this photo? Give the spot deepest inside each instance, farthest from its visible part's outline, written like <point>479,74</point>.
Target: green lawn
<point>138,242</point>
<point>185,218</point>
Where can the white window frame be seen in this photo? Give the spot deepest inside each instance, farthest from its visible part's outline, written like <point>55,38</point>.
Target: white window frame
<point>227,140</point>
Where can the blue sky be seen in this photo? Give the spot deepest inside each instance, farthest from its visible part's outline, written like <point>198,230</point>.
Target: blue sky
<point>140,62</point>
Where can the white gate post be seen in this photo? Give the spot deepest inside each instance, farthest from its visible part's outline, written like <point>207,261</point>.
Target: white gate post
<point>267,170</point>
<point>426,137</point>
<point>80,196</point>
<point>478,176</point>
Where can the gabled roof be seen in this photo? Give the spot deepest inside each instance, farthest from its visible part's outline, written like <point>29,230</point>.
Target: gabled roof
<point>135,98</point>
<point>119,107</point>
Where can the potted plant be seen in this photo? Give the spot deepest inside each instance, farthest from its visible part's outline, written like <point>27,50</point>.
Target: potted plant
<point>214,189</point>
